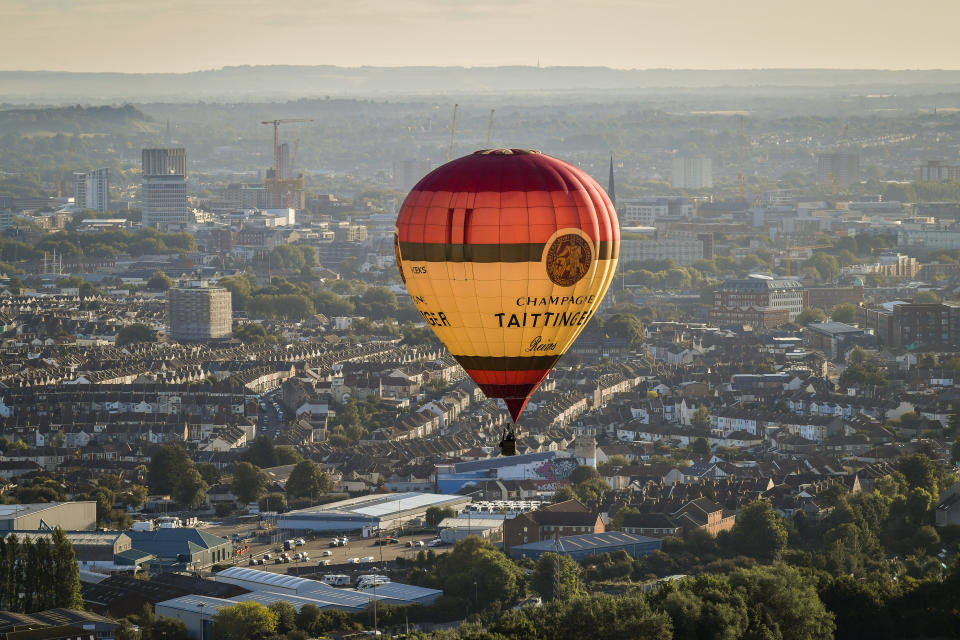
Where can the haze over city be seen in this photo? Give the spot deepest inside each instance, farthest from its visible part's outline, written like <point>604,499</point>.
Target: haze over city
<point>446,320</point>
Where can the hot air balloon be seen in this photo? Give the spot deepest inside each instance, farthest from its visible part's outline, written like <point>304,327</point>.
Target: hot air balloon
<point>506,254</point>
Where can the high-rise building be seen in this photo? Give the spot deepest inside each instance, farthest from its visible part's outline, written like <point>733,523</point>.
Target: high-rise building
<point>285,168</point>
<point>198,313</point>
<point>164,194</point>
<point>692,173</point>
<point>407,173</point>
<point>646,211</point>
<point>838,168</point>
<point>91,190</point>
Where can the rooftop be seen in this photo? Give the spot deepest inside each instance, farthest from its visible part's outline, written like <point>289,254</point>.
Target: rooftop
<point>380,505</point>
<point>590,542</point>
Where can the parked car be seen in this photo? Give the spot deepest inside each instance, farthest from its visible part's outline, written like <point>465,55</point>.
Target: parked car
<point>300,542</point>
<point>366,559</point>
<point>418,543</point>
<point>327,553</point>
<point>322,563</point>
<point>353,561</point>
<point>335,542</point>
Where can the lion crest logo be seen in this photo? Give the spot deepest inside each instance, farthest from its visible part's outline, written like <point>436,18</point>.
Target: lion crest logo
<point>568,260</point>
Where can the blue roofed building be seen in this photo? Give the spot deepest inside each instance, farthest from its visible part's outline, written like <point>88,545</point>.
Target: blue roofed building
<point>182,548</point>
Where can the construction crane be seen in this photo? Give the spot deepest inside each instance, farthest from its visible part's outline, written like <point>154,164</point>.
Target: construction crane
<point>453,130</point>
<point>276,153</point>
<point>490,127</point>
<point>63,170</point>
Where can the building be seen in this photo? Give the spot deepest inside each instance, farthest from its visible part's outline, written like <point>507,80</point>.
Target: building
<point>828,297</point>
<point>644,212</point>
<point>937,170</point>
<point>182,548</point>
<point>368,513</point>
<point>91,190</point>
<point>838,168</point>
<point>407,173</point>
<point>104,550</point>
<point>200,313</point>
<point>692,173</point>
<point>164,189</point>
<point>455,529</point>
<point>638,246</point>
<point>929,239</point>
<point>568,518</point>
<point>582,547</point>
<point>760,301</point>
<point>74,516</point>
<point>911,326</point>
<point>833,338</point>
<point>56,624</point>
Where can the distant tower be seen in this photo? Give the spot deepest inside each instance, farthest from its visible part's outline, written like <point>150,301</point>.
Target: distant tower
<point>169,139</point>
<point>611,188</point>
<point>164,189</point>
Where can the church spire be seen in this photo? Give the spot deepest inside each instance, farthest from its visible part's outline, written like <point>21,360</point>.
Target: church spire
<point>611,189</point>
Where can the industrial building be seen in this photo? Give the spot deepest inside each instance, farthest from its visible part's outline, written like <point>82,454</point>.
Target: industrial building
<point>368,513</point>
<point>581,547</point>
<point>455,529</point>
<point>197,612</point>
<point>164,189</point>
<point>182,548</point>
<point>73,516</point>
<point>198,313</point>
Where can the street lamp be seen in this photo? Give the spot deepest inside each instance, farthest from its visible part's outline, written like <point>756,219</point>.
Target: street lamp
<point>202,630</point>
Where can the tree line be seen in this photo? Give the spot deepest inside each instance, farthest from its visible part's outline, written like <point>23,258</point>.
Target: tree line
<point>38,573</point>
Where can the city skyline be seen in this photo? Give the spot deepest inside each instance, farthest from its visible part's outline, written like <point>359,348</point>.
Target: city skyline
<point>634,35</point>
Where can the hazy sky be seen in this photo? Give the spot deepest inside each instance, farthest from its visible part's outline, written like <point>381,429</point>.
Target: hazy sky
<point>186,35</point>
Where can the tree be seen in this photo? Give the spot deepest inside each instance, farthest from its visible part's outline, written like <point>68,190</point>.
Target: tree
<point>159,281</point>
<point>582,473</point>
<point>210,473</point>
<point>273,502</point>
<point>243,621</point>
<point>592,490</point>
<point>782,604</point>
<point>308,480</point>
<point>701,447</point>
<point>758,532</point>
<point>824,265</point>
<point>135,333</point>
<point>955,452</point>
<point>66,572</point>
<point>700,418</point>
<point>164,628</point>
<point>169,463</point>
<point>626,326</point>
<point>476,572</point>
<point>190,489</point>
<point>249,482</point>
<point>435,515</point>
<point>920,471</point>
<point>308,618</point>
<point>846,313</point>
<point>926,297</point>
<point>286,616</point>
<point>809,316</point>
<point>563,493</point>
<point>545,581</point>
<point>261,452</point>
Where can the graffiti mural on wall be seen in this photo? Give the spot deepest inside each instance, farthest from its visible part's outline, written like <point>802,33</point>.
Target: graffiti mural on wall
<point>552,474</point>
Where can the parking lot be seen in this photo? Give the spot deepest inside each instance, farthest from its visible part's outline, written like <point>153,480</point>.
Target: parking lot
<point>356,547</point>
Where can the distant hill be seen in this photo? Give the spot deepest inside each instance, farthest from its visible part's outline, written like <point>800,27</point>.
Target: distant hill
<point>75,119</point>
<point>266,83</point>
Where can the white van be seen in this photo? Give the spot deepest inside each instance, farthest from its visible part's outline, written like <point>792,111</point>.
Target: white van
<point>336,580</point>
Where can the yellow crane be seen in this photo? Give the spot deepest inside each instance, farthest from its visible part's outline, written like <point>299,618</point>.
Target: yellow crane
<point>275,190</point>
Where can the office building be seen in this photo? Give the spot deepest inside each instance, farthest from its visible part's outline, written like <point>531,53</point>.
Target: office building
<point>937,170</point>
<point>200,313</point>
<point>638,246</point>
<point>912,326</point>
<point>692,173</point>
<point>827,298</point>
<point>91,190</point>
<point>838,168</point>
<point>164,189</point>
<point>760,301</point>
<point>646,211</point>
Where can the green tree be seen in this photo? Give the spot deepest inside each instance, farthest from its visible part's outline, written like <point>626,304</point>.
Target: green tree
<point>435,515</point>
<point>308,618</point>
<point>582,473</point>
<point>164,628</point>
<point>308,480</point>
<point>626,326</point>
<point>825,266</point>
<point>476,572</point>
<point>261,452</point>
<point>557,576</point>
<point>243,621</point>
<point>926,297</point>
<point>159,281</point>
<point>591,491</point>
<point>809,316</point>
<point>135,333</point>
<point>286,616</point>
<point>563,493</point>
<point>758,532</point>
<point>209,472</point>
<point>249,482</point>
<point>190,489</point>
<point>66,571</point>
<point>169,463</point>
<point>700,418</point>
<point>701,447</point>
<point>273,502</point>
<point>846,313</point>
<point>782,604</point>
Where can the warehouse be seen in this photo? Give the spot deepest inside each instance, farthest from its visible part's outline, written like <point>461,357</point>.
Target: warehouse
<point>455,529</point>
<point>580,547</point>
<point>69,516</point>
<point>367,513</point>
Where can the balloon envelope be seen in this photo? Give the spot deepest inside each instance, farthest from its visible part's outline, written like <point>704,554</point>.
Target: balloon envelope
<point>507,253</point>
